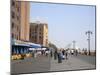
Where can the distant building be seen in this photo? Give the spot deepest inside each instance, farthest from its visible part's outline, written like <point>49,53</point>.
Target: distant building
<point>39,33</point>
<point>20,20</point>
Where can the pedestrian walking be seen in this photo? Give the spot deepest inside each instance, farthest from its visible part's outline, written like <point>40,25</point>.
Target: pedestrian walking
<point>42,52</point>
<point>46,53</point>
<point>66,54</point>
<point>55,54</point>
<point>63,52</point>
<point>76,52</point>
<point>72,52</point>
<point>59,57</point>
<point>85,52</point>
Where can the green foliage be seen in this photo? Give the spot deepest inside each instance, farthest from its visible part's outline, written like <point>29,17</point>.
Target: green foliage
<point>51,45</point>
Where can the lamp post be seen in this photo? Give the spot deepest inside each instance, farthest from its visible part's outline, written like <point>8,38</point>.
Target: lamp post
<point>74,42</point>
<point>89,33</point>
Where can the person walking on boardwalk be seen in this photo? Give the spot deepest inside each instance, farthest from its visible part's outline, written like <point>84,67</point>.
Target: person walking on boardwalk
<point>66,54</point>
<point>76,52</point>
<point>63,52</point>
<point>72,52</point>
<point>55,54</point>
<point>59,57</point>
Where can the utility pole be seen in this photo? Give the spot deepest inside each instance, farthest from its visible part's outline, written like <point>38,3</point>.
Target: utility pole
<point>89,33</point>
<point>74,44</point>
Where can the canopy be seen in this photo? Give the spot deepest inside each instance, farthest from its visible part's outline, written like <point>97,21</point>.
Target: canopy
<point>28,45</point>
<point>25,44</point>
<point>35,46</point>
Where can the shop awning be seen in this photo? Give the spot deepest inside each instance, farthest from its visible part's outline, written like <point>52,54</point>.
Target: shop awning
<point>28,45</point>
<point>22,45</point>
<point>25,44</point>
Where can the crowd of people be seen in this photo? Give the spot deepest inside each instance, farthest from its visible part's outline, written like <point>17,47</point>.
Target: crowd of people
<point>56,54</point>
<point>63,54</point>
<point>36,53</point>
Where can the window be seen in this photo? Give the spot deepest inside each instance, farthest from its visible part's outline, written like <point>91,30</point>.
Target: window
<point>18,6</point>
<point>40,37</point>
<point>12,35</point>
<point>13,14</point>
<point>18,9</point>
<point>40,29</point>
<point>13,3</point>
<point>35,28</point>
<point>33,37</point>
<point>35,40</point>
<point>12,25</point>
<point>40,33</point>
<point>17,28</point>
<point>17,17</point>
<point>17,37</point>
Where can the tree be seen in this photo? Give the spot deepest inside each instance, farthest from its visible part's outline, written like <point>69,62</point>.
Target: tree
<point>51,45</point>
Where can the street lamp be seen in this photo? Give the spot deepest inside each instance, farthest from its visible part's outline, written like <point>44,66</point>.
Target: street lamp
<point>89,33</point>
<point>74,42</point>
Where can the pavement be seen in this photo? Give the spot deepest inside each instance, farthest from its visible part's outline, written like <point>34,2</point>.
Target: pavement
<point>45,64</point>
<point>30,65</point>
<point>87,58</point>
<point>73,63</point>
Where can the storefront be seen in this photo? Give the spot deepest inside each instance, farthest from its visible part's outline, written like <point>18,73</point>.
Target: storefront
<point>20,48</point>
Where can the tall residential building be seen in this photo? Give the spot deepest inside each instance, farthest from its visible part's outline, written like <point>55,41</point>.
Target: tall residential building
<point>20,20</point>
<point>39,33</point>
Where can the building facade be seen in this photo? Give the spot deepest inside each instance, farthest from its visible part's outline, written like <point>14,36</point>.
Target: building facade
<point>20,20</point>
<point>39,33</point>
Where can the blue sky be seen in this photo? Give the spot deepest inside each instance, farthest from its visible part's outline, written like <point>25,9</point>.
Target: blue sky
<point>66,22</point>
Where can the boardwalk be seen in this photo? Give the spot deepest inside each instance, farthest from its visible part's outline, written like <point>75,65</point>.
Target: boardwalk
<point>39,64</point>
<point>44,64</point>
<point>73,63</point>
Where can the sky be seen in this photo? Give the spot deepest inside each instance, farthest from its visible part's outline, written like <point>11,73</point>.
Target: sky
<point>66,23</point>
